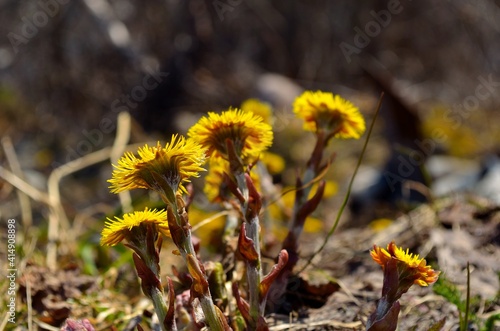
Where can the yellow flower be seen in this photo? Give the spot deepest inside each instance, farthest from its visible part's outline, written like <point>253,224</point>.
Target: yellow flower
<point>331,113</point>
<point>214,180</point>
<point>262,109</point>
<point>409,265</point>
<point>210,232</point>
<point>274,163</point>
<point>313,225</point>
<point>156,166</point>
<point>380,224</point>
<point>247,131</point>
<point>331,188</point>
<point>123,228</point>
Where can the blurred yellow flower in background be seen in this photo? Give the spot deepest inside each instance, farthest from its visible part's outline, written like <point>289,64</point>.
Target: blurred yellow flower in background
<point>212,225</point>
<point>262,109</point>
<point>461,140</point>
<point>274,163</point>
<point>215,188</point>
<point>214,179</point>
<point>330,113</point>
<point>380,224</point>
<point>173,164</point>
<point>121,228</point>
<point>331,189</point>
<point>280,211</point>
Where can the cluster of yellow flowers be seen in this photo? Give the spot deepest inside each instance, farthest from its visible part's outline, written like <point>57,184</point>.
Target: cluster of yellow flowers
<point>251,134</point>
<point>233,141</point>
<point>247,130</point>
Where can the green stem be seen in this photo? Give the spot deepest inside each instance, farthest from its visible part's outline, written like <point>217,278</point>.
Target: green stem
<point>156,294</point>
<point>207,304</point>
<point>242,185</point>
<point>254,271</point>
<point>160,306</point>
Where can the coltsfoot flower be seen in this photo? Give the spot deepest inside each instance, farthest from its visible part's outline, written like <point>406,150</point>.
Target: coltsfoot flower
<point>248,133</point>
<point>410,266</point>
<point>129,227</point>
<point>158,166</point>
<point>401,270</point>
<point>330,113</point>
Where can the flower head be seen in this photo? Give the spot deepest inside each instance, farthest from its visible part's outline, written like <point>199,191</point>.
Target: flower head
<point>158,167</point>
<point>247,132</point>
<point>124,228</point>
<point>410,266</point>
<point>331,113</point>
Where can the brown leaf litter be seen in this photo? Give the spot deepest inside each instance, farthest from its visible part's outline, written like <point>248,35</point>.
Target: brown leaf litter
<point>449,233</point>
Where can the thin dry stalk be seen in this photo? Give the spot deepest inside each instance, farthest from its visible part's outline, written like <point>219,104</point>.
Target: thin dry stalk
<point>57,214</point>
<point>15,166</point>
<point>119,145</point>
<point>23,186</point>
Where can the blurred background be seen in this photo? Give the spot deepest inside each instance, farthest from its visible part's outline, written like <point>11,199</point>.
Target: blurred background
<point>68,68</point>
